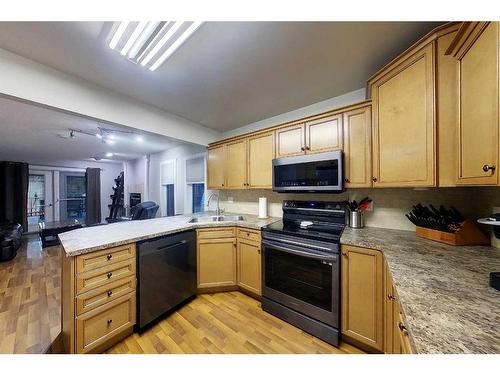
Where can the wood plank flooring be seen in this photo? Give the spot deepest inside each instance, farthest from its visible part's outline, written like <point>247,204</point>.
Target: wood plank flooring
<point>30,298</point>
<point>225,323</point>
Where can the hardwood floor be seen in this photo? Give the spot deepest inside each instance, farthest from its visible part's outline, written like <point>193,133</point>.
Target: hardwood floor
<point>225,323</point>
<point>30,298</point>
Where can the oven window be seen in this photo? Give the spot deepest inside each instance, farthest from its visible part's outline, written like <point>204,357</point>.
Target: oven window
<point>318,173</point>
<point>309,280</point>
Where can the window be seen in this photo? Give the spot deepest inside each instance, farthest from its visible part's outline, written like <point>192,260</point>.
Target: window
<point>198,192</point>
<point>72,196</point>
<point>36,198</point>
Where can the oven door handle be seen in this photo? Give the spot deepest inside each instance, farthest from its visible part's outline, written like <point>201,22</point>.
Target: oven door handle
<point>330,258</point>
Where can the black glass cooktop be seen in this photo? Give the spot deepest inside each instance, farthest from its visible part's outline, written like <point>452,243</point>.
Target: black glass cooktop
<point>308,229</point>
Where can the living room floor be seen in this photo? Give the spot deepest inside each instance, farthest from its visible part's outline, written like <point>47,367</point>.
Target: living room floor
<point>30,298</point>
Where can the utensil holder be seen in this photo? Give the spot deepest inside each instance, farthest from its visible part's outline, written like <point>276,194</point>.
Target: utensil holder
<point>356,219</point>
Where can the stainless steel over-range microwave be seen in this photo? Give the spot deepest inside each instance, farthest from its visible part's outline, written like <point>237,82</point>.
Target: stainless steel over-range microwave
<point>309,173</point>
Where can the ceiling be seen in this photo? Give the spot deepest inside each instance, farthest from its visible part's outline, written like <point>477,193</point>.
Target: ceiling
<point>228,74</point>
<point>29,132</point>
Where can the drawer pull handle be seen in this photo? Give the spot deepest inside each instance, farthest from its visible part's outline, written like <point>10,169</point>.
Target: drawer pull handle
<point>390,297</point>
<point>109,321</point>
<point>487,168</point>
<point>109,275</point>
<point>402,328</point>
<point>109,257</point>
<point>248,234</point>
<point>109,293</point>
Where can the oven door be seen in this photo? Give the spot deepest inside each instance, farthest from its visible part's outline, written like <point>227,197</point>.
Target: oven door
<point>303,280</point>
<point>309,173</point>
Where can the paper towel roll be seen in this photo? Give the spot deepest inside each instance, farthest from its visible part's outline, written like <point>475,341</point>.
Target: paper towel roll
<point>263,208</point>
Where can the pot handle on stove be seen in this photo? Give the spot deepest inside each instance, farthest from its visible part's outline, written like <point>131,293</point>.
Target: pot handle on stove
<point>330,258</point>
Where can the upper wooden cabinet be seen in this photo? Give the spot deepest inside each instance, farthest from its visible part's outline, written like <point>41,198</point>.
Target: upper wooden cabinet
<point>476,49</point>
<point>362,297</point>
<point>236,164</point>
<point>358,147</point>
<point>404,128</point>
<point>324,134</point>
<point>260,159</point>
<point>216,166</point>
<point>290,141</point>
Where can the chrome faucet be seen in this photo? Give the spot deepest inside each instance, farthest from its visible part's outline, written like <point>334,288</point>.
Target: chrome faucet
<point>218,211</point>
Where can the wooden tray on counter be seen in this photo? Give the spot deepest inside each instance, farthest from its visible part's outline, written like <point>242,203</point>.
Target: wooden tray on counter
<point>468,234</point>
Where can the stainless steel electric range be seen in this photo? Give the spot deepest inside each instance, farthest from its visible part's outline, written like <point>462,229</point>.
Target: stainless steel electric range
<point>301,267</point>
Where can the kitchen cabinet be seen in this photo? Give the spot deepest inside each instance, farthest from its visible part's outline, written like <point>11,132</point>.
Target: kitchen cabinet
<point>260,159</point>
<point>216,260</point>
<point>401,343</point>
<point>290,141</point>
<point>362,297</point>
<point>324,134</point>
<point>404,128</point>
<point>476,50</point>
<point>98,298</point>
<point>249,266</point>
<point>236,164</point>
<point>358,147</point>
<point>216,167</point>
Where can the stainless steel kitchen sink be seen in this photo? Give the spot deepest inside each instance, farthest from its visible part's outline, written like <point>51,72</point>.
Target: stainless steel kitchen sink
<point>210,219</point>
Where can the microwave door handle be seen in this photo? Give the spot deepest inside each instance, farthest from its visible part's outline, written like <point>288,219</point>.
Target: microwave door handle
<point>330,258</point>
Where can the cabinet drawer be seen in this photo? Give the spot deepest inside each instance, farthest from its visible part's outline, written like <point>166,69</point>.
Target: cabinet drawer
<point>216,233</point>
<point>104,275</point>
<point>97,259</point>
<point>102,324</point>
<point>248,234</point>
<point>107,293</point>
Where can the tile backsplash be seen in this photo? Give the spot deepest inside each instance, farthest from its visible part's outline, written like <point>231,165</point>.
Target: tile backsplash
<point>389,205</point>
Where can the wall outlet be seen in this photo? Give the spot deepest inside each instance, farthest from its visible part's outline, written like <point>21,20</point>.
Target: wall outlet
<point>230,200</point>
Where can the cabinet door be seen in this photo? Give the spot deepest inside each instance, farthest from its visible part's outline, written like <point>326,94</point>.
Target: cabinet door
<point>402,344</point>
<point>404,123</point>
<point>362,296</point>
<point>479,102</point>
<point>324,134</point>
<point>260,158</point>
<point>389,312</point>
<point>216,262</point>
<point>290,141</point>
<point>216,167</point>
<point>249,269</point>
<point>236,164</point>
<point>358,148</point>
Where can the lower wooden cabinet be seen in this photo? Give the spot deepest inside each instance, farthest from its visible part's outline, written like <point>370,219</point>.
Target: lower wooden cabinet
<point>362,297</point>
<point>216,259</point>
<point>249,266</point>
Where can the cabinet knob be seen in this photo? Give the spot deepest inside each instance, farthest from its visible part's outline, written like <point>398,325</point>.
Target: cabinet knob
<point>374,179</point>
<point>344,254</point>
<point>487,168</point>
<point>303,148</point>
<point>109,293</point>
<point>258,250</point>
<point>308,148</point>
<point>390,297</point>
<point>346,180</point>
<point>109,321</point>
<point>402,328</point>
<point>109,275</point>
<point>109,257</point>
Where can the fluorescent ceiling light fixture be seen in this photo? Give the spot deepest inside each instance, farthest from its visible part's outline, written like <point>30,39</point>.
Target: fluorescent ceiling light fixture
<point>118,34</point>
<point>162,42</point>
<point>150,44</point>
<point>170,50</point>
<point>130,42</point>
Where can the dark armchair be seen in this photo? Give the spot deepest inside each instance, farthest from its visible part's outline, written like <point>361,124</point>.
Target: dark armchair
<point>10,240</point>
<point>145,210</point>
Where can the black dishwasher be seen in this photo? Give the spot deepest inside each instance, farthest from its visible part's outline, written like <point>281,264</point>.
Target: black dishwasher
<point>166,274</point>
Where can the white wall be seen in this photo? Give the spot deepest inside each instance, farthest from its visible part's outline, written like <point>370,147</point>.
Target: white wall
<point>28,80</point>
<point>136,178</point>
<point>109,171</point>
<point>313,109</point>
<point>180,154</point>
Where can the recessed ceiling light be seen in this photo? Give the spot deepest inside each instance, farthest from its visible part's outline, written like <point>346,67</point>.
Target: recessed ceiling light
<point>109,142</point>
<point>99,136</point>
<point>139,138</point>
<point>109,154</point>
<point>142,42</point>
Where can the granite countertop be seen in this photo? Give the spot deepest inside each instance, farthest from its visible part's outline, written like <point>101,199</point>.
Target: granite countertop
<point>444,290</point>
<point>85,240</point>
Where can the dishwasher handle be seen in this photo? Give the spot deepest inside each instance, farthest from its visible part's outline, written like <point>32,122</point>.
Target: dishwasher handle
<point>166,247</point>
